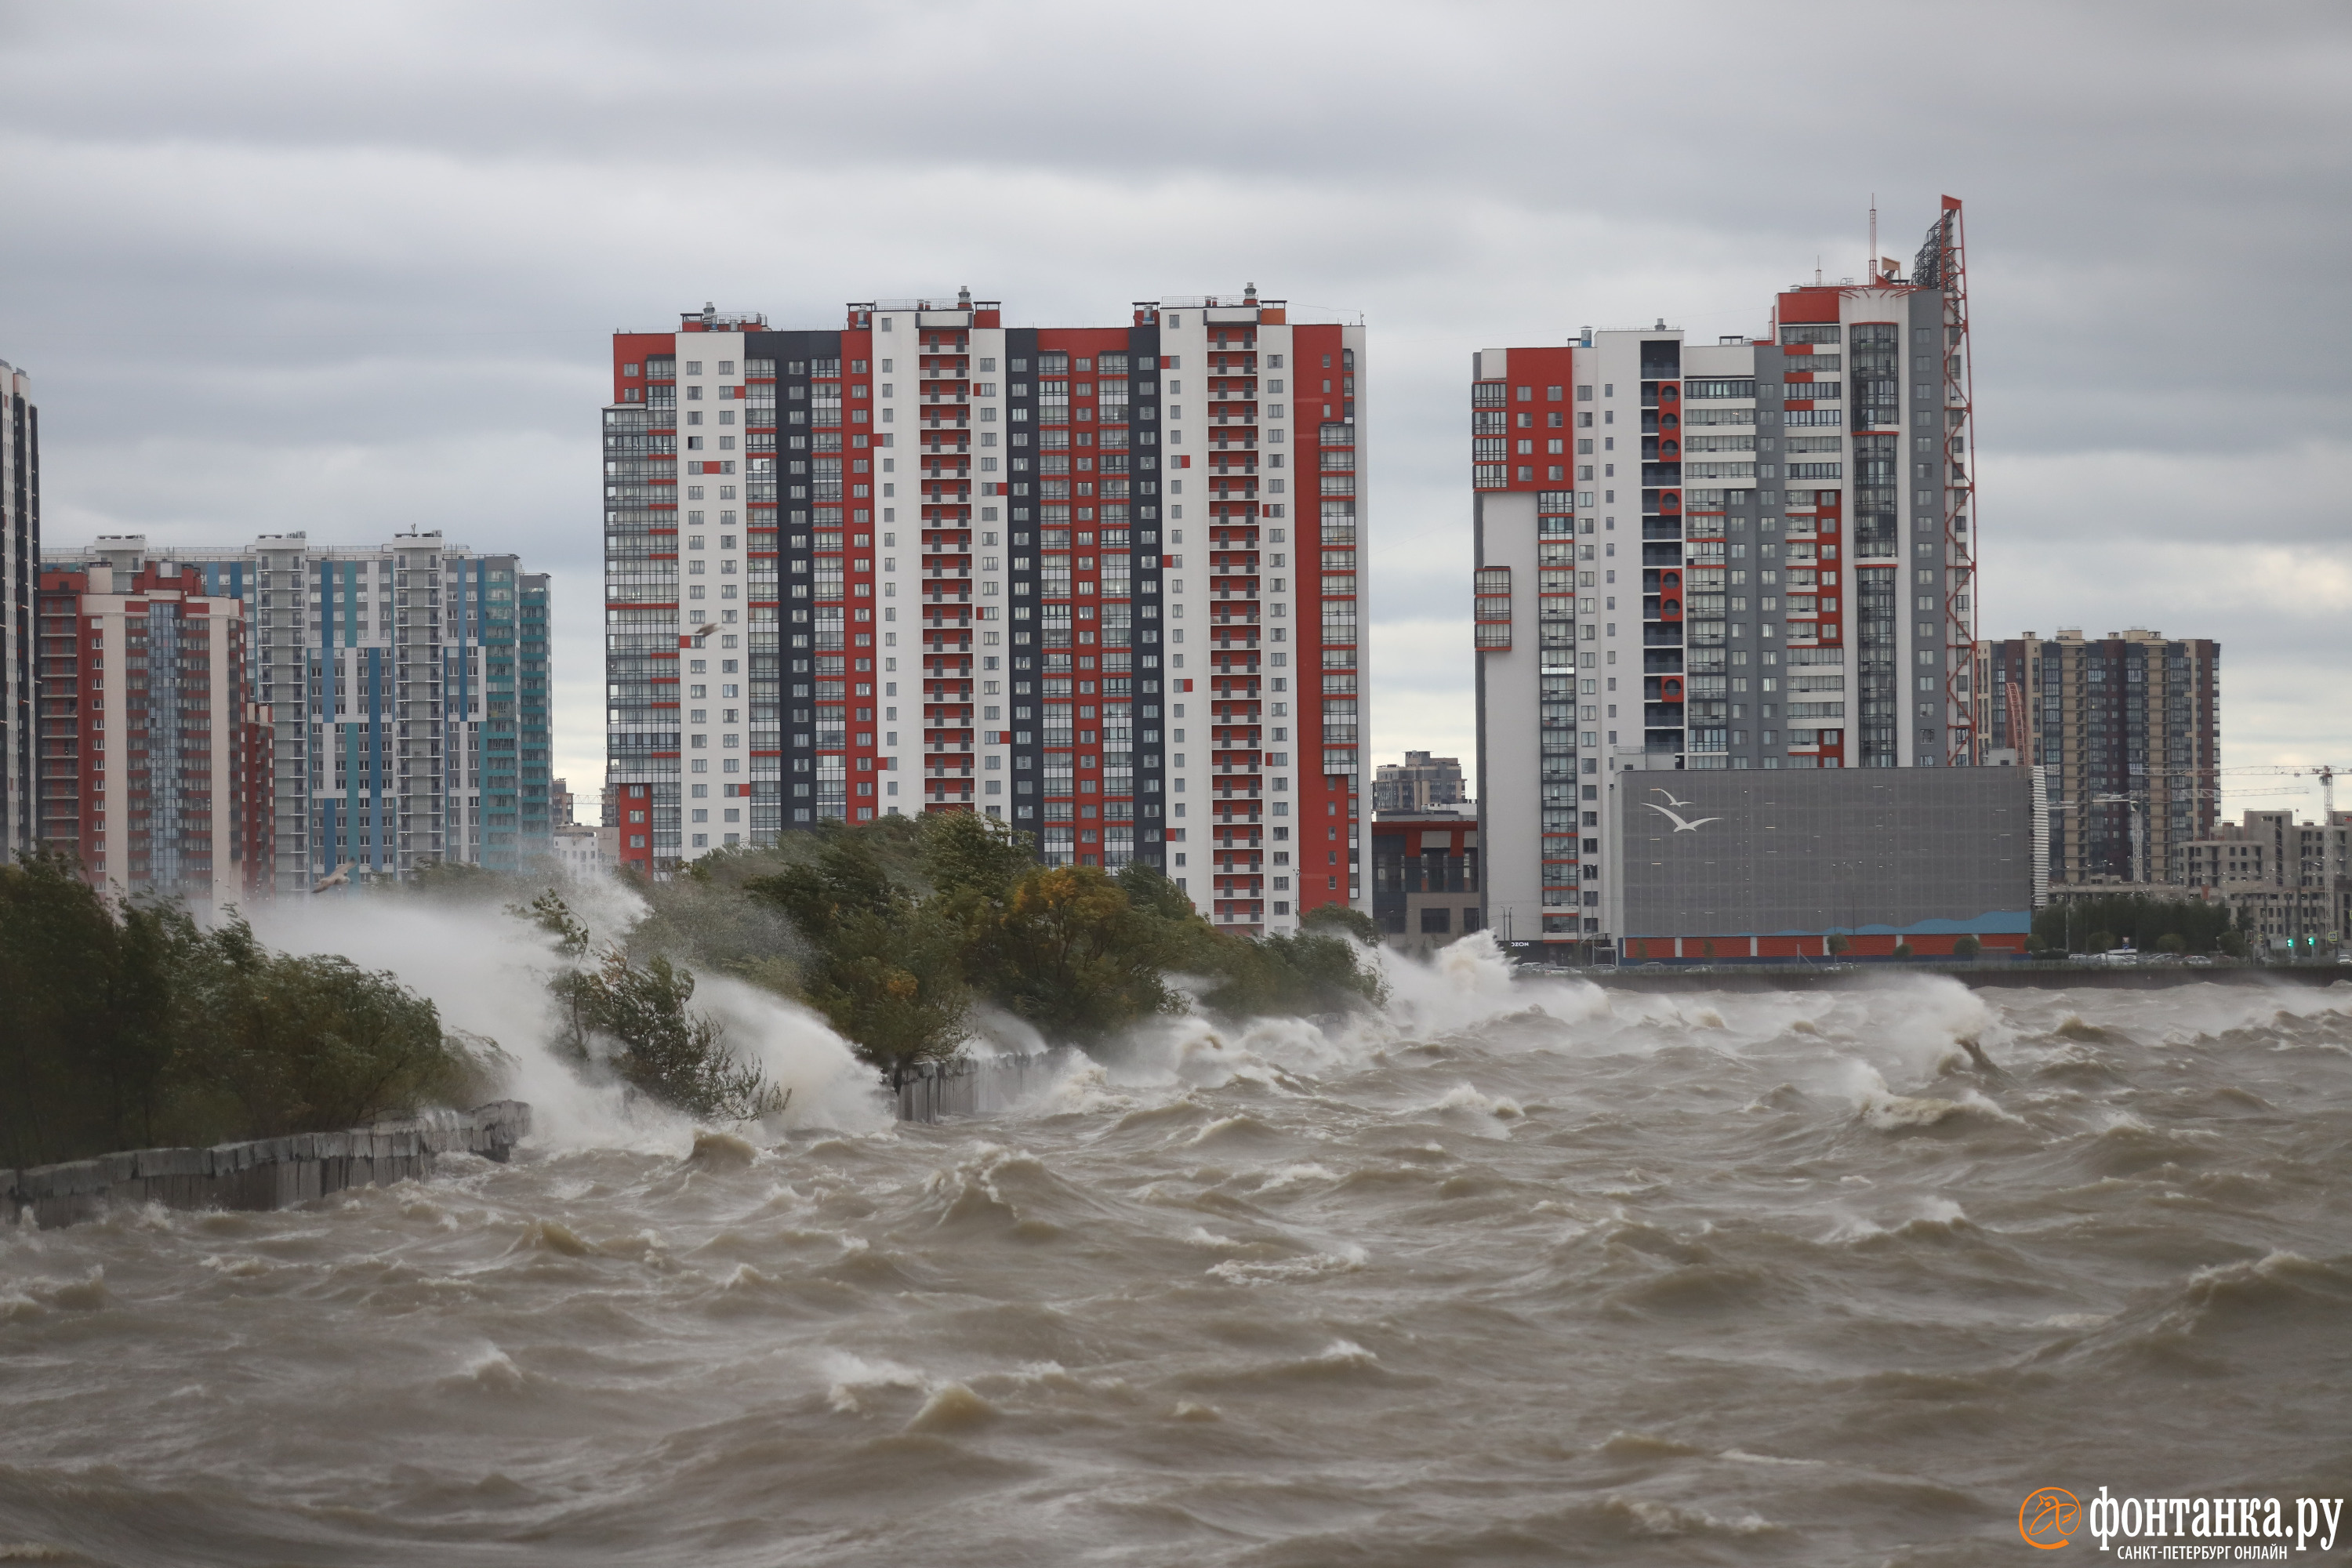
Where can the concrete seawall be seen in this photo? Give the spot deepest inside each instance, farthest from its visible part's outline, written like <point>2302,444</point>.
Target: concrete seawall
<point>266,1173</point>
<point>2037,977</point>
<point>968,1086</point>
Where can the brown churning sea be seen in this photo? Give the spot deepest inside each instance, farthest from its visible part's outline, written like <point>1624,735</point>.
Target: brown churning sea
<point>1526,1274</point>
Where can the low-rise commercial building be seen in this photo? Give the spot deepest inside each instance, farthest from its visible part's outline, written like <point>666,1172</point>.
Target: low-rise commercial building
<point>1785,864</point>
<point>1425,878</point>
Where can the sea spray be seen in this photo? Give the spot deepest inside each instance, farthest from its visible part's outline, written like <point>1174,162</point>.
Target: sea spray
<point>486,971</point>
<point>1262,1294</point>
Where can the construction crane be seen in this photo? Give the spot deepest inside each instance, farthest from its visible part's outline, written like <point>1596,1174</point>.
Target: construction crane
<point>2324,772</point>
<point>2186,782</point>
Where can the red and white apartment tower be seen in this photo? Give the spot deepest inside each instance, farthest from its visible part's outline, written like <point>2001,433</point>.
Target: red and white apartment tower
<point>156,768</point>
<point>1027,631</point>
<point>1758,552</point>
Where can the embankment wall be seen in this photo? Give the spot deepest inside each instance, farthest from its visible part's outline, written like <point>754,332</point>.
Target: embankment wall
<point>266,1173</point>
<point>970,1086</point>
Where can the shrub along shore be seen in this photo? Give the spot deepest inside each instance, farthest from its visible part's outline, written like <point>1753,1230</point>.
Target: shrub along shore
<point>131,1026</point>
<point>902,933</point>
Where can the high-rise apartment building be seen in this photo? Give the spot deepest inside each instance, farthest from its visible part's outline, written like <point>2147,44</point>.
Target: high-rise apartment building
<point>408,683</point>
<point>2289,883</point>
<point>1036,629</point>
<point>155,766</point>
<point>1749,554</point>
<point>1420,783</point>
<point>2127,732</point>
<point>20,566</point>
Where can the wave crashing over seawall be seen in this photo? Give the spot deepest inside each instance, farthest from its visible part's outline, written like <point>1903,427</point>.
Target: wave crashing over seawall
<point>1522,1272</point>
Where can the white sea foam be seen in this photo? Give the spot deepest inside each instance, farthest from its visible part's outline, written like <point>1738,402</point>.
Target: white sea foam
<point>485,971</point>
<point>1227,1301</point>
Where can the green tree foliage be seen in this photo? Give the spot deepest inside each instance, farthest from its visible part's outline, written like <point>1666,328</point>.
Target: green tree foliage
<point>909,926</point>
<point>1310,973</point>
<point>131,1027</point>
<point>1967,947</point>
<point>706,917</point>
<point>572,988</point>
<point>1344,918</point>
<point>451,881</point>
<point>669,1052</point>
<point>85,1030</point>
<point>635,1018</point>
<point>881,967</point>
<point>2144,918</point>
<point>1068,951</point>
<point>299,1044</point>
<point>1903,949</point>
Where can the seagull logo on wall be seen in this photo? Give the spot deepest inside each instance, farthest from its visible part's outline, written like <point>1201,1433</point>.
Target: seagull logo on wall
<point>1677,805</point>
<point>1680,825</point>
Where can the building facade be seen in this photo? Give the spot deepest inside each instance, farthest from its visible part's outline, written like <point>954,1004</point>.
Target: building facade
<point>1755,554</point>
<point>578,852</point>
<point>1425,890</point>
<point>1732,866</point>
<point>2127,728</point>
<point>1036,629</point>
<point>408,683</point>
<point>1421,782</point>
<point>155,762</point>
<point>2289,883</point>
<point>20,566</point>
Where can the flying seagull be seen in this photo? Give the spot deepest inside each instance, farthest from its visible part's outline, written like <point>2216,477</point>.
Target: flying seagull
<point>1677,805</point>
<point>1680,825</point>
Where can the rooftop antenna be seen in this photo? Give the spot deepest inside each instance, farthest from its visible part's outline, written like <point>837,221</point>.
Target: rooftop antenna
<point>1817,271</point>
<point>1872,259</point>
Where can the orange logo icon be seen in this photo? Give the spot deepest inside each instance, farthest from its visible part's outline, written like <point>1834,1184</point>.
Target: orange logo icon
<point>2050,1518</point>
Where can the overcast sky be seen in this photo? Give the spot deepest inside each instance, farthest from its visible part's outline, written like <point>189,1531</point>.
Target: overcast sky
<point>354,268</point>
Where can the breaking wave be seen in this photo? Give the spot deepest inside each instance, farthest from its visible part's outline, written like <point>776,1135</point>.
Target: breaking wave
<point>1518,1272</point>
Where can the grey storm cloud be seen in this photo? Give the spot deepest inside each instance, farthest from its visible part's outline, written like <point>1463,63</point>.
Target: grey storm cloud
<point>352,268</point>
